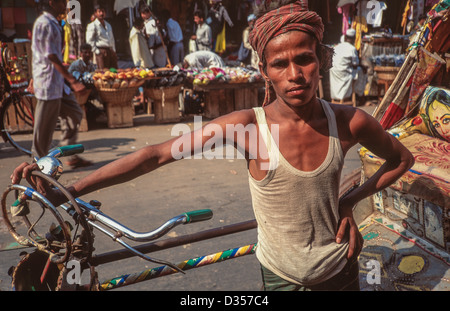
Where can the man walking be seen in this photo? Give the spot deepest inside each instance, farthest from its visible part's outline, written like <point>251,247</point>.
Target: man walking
<point>54,98</point>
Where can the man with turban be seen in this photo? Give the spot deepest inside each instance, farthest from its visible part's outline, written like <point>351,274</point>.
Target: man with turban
<point>307,236</point>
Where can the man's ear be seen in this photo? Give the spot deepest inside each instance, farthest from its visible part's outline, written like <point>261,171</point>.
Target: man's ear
<point>262,71</point>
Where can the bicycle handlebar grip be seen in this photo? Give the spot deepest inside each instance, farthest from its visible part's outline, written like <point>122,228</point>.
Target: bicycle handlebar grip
<point>71,150</point>
<point>199,215</point>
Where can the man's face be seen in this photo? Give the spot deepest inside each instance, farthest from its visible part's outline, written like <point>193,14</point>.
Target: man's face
<point>145,15</point>
<point>198,20</point>
<point>100,14</point>
<point>86,55</point>
<point>59,6</point>
<point>293,67</point>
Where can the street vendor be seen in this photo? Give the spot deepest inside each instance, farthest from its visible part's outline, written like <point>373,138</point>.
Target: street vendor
<point>202,59</point>
<point>346,75</point>
<point>307,236</point>
<point>84,64</point>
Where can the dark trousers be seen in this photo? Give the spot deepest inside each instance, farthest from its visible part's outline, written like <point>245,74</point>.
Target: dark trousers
<point>106,59</point>
<point>45,120</point>
<point>346,280</point>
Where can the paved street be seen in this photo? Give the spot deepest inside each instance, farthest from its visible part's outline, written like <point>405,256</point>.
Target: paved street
<point>146,202</point>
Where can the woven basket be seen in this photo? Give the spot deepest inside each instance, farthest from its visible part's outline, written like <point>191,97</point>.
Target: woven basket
<point>387,73</point>
<point>163,92</point>
<point>83,97</point>
<point>118,96</point>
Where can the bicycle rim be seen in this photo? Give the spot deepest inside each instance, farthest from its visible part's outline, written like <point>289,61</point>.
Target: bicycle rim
<point>17,120</point>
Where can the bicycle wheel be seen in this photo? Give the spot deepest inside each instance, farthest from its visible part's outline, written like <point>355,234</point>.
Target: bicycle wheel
<point>17,120</point>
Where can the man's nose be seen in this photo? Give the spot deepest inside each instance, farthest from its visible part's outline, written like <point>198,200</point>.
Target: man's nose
<point>295,73</point>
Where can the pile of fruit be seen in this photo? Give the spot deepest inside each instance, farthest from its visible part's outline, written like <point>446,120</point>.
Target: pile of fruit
<point>121,78</point>
<point>223,75</point>
<point>166,78</point>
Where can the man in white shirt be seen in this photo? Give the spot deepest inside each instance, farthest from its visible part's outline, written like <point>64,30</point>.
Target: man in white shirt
<point>54,98</point>
<point>139,48</point>
<point>346,76</point>
<point>175,34</point>
<point>203,59</point>
<point>203,34</point>
<point>154,38</point>
<point>99,35</point>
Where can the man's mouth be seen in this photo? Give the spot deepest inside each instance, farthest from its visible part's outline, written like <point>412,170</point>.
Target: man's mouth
<point>298,89</point>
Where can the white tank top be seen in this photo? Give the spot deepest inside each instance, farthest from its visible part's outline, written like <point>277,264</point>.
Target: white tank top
<point>297,212</point>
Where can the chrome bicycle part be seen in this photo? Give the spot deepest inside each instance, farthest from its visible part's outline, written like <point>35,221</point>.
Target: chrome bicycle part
<point>57,244</point>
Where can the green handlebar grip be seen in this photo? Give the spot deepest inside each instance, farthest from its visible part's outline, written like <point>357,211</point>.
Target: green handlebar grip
<point>71,150</point>
<point>200,215</point>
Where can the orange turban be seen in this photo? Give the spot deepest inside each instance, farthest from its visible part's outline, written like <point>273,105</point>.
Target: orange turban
<point>294,16</point>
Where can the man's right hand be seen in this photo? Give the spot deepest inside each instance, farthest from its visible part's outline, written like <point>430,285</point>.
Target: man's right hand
<point>24,171</point>
<point>78,87</point>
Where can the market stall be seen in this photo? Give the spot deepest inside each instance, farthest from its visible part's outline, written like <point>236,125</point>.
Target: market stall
<point>164,90</point>
<point>117,88</point>
<point>383,54</point>
<point>226,89</point>
<point>406,227</point>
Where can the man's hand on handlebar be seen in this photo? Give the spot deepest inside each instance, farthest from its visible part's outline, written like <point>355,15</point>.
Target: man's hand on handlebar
<point>24,171</point>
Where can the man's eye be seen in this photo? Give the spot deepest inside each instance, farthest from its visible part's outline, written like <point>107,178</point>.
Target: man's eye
<point>305,60</point>
<point>279,64</point>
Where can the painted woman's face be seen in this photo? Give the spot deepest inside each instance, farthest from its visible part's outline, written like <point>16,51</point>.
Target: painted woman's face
<point>440,119</point>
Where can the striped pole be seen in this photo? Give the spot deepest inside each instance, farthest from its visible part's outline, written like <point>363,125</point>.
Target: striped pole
<point>198,262</point>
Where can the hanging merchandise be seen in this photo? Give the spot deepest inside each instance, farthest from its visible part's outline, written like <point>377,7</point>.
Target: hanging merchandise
<point>378,17</point>
<point>428,65</point>
<point>360,25</point>
<point>347,12</point>
<point>406,14</point>
<point>221,41</point>
<point>431,2</point>
<point>421,67</point>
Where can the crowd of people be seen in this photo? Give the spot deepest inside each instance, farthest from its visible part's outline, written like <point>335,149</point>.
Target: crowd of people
<point>155,42</point>
<point>158,41</point>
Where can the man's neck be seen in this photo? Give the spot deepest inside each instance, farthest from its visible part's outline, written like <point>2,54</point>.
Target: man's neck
<point>102,21</point>
<point>303,113</point>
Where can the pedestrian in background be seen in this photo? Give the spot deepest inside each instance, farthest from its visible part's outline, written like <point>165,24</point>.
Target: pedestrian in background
<point>203,34</point>
<point>139,47</point>
<point>54,98</point>
<point>217,17</point>
<point>154,37</point>
<point>247,55</point>
<point>175,38</point>
<point>99,35</point>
